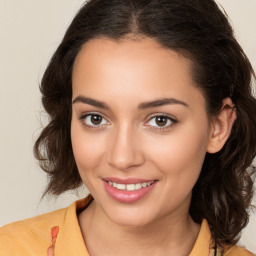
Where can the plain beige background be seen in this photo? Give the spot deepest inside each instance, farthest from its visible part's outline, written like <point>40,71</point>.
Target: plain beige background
<point>30,31</point>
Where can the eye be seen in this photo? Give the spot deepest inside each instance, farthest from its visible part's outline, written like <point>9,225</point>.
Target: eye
<point>161,122</point>
<point>93,120</point>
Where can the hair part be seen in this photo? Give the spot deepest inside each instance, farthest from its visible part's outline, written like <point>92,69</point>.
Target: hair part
<point>224,190</point>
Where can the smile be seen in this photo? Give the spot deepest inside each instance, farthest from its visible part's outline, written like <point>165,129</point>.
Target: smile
<point>130,187</point>
<point>128,190</point>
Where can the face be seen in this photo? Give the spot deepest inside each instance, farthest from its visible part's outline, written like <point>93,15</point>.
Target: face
<point>139,129</point>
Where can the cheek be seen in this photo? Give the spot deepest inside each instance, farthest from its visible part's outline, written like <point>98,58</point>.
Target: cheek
<point>179,158</point>
<point>181,153</point>
<point>87,149</point>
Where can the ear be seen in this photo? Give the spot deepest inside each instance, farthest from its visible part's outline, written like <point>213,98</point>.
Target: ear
<point>221,126</point>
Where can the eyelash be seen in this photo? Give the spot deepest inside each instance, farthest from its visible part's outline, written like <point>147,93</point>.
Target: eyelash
<point>159,128</point>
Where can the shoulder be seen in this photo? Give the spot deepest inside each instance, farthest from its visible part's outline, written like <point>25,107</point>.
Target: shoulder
<point>29,236</point>
<point>237,251</point>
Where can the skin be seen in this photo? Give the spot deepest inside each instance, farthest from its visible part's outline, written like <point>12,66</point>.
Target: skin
<point>129,143</point>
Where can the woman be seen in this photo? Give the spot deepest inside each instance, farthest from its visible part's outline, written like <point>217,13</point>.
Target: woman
<point>151,108</point>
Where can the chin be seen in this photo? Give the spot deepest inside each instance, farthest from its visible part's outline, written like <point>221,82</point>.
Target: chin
<point>130,216</point>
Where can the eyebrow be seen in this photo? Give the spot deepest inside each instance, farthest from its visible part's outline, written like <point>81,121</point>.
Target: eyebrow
<point>141,106</point>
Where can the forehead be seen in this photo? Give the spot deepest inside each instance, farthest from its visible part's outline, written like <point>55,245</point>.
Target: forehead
<point>144,52</point>
<point>125,67</point>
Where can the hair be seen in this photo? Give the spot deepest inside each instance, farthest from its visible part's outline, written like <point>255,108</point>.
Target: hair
<point>201,32</point>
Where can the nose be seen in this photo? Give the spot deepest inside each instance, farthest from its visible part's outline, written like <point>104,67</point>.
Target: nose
<point>124,149</point>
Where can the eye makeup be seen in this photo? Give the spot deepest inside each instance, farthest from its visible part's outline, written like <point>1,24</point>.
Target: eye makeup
<point>92,117</point>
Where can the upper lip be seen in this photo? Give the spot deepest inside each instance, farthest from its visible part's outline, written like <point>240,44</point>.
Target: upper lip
<point>126,180</point>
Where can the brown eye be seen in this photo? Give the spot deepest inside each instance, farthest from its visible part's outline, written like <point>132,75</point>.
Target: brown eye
<point>96,119</point>
<point>161,120</point>
<point>93,120</point>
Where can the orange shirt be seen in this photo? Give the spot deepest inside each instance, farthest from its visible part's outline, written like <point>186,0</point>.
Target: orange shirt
<point>33,237</point>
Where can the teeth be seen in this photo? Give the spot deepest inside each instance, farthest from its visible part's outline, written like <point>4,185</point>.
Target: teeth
<point>138,186</point>
<point>130,187</point>
<point>120,186</point>
<point>144,184</point>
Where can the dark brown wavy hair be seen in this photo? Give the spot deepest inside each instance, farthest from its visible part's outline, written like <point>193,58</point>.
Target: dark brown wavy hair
<point>198,30</point>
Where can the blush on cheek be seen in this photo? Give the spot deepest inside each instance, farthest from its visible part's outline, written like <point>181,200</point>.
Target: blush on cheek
<point>88,154</point>
<point>86,148</point>
<point>180,155</point>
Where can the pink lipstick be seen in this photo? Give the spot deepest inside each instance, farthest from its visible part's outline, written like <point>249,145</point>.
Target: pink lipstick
<point>128,190</point>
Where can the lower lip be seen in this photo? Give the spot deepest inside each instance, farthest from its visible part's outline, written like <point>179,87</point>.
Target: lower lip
<point>125,196</point>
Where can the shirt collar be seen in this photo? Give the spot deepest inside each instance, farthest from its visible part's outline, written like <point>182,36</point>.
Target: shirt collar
<point>70,239</point>
<point>203,241</point>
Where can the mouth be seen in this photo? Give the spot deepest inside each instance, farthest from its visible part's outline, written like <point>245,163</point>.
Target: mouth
<point>130,187</point>
<point>128,190</point>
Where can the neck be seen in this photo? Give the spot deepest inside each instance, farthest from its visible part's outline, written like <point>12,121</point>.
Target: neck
<point>165,236</point>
